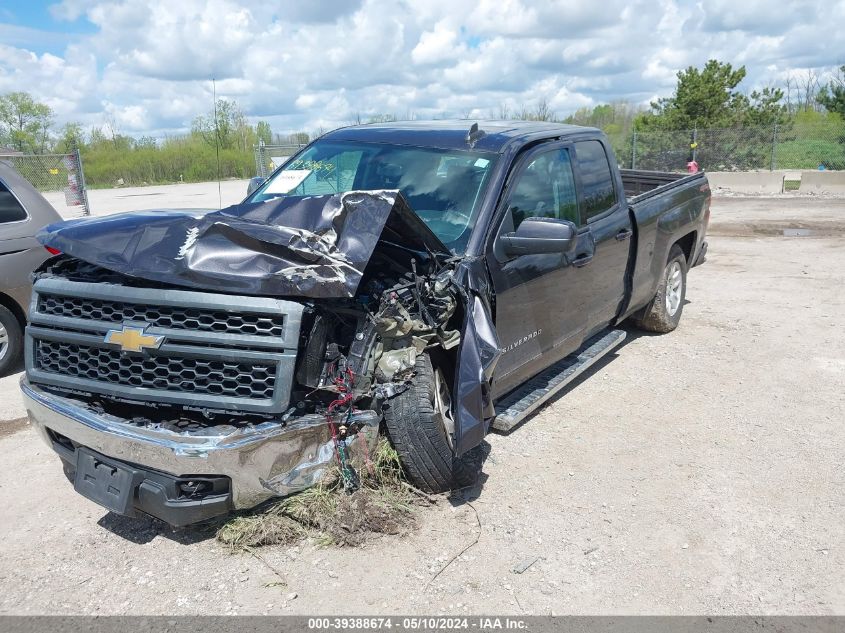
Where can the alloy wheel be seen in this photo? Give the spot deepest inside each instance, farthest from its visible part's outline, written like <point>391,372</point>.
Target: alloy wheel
<point>674,287</point>
<point>4,341</point>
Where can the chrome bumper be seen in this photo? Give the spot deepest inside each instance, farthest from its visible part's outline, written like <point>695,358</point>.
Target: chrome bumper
<point>271,459</point>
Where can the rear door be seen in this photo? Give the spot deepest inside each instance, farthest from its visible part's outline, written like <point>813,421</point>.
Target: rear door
<point>600,288</point>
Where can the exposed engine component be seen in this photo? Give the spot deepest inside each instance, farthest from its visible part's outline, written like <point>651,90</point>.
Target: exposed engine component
<point>378,336</point>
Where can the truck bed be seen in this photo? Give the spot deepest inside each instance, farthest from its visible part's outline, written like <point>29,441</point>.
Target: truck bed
<point>640,185</point>
<point>665,208</point>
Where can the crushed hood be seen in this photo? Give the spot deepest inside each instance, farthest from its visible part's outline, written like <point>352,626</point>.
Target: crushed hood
<point>313,247</point>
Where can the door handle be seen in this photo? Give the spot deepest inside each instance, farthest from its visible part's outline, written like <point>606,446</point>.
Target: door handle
<point>582,260</point>
<point>623,235</point>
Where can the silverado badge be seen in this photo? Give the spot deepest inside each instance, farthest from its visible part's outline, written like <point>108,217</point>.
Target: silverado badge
<point>133,339</point>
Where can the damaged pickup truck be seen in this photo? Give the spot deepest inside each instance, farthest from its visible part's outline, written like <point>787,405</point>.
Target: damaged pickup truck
<point>428,280</point>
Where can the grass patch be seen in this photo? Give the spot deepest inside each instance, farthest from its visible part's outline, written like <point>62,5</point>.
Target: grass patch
<point>384,504</point>
<point>791,185</point>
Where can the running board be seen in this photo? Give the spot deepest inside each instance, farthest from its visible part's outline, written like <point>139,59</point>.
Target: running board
<point>523,401</point>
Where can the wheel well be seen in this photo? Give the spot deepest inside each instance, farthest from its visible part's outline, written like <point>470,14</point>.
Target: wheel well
<point>687,243</point>
<point>13,307</point>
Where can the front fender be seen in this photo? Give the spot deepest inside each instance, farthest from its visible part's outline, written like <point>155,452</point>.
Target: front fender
<point>477,357</point>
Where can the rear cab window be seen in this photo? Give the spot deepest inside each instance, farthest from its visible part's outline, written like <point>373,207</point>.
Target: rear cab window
<point>598,193</point>
<point>10,209</point>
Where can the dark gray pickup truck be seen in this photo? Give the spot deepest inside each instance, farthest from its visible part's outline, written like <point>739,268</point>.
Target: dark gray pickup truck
<point>427,280</point>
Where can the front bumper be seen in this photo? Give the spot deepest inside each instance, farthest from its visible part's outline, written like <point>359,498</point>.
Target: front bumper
<point>271,459</point>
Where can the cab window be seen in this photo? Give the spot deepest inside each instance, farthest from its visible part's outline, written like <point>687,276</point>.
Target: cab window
<point>597,192</point>
<point>545,189</point>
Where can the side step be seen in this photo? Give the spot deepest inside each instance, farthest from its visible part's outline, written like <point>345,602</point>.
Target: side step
<point>524,400</point>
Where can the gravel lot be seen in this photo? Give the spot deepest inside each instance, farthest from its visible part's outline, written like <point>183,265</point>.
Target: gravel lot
<point>691,473</point>
<point>197,195</point>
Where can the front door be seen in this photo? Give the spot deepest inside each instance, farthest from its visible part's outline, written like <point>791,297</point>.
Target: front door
<point>537,320</point>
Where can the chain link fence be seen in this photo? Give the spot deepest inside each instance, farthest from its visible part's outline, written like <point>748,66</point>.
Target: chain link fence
<point>778,147</point>
<point>269,157</point>
<point>791,146</point>
<point>58,176</point>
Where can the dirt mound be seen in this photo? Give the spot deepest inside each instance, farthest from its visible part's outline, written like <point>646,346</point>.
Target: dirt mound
<point>384,504</point>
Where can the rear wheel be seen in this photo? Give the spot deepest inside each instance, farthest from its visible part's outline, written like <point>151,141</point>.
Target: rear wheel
<point>11,341</point>
<point>664,312</point>
<point>421,427</point>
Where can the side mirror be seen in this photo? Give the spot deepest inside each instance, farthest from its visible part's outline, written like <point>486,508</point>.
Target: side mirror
<point>254,183</point>
<point>536,236</point>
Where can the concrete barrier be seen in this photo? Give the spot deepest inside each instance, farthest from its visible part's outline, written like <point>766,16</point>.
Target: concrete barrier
<point>822,182</point>
<point>747,181</point>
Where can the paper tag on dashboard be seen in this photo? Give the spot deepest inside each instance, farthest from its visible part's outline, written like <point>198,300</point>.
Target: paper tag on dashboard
<point>286,181</point>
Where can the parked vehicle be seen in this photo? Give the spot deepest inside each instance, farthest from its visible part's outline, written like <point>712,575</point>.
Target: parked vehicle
<point>23,212</point>
<point>424,278</point>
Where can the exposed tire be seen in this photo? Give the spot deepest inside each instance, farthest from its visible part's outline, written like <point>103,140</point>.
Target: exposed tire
<point>11,341</point>
<point>417,432</point>
<point>664,312</point>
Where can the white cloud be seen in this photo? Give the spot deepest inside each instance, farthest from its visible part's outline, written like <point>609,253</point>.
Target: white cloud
<point>134,118</point>
<point>72,9</point>
<point>756,16</point>
<point>147,67</point>
<point>63,83</point>
<point>182,41</point>
<point>438,45</point>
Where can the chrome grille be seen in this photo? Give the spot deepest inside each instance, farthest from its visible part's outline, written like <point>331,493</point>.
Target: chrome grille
<point>194,375</point>
<point>162,316</point>
<point>219,352</point>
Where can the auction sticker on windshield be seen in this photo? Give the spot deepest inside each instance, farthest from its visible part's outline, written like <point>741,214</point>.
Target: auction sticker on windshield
<point>287,181</point>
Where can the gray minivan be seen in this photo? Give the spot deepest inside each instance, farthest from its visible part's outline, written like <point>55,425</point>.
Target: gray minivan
<point>23,212</point>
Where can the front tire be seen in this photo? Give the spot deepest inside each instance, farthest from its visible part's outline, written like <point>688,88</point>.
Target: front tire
<point>664,312</point>
<point>11,341</point>
<point>418,423</point>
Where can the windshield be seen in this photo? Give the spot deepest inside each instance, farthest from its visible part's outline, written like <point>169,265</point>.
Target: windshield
<point>444,187</point>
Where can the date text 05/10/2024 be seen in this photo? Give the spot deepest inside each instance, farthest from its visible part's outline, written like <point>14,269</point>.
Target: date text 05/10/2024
<point>481,623</point>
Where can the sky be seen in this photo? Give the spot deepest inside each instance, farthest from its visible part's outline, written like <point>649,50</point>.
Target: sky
<point>145,66</point>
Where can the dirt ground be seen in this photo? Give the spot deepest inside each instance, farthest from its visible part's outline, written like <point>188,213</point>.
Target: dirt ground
<point>699,472</point>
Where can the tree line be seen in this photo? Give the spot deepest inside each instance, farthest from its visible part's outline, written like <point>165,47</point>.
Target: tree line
<point>709,117</point>
<point>807,115</point>
<point>111,157</point>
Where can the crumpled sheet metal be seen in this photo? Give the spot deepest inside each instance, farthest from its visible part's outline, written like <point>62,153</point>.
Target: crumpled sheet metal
<point>313,247</point>
<point>272,460</point>
<point>301,455</point>
<point>477,358</point>
<point>266,460</point>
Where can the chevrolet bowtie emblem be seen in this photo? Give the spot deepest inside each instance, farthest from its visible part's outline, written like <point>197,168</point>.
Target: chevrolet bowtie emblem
<point>133,339</point>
